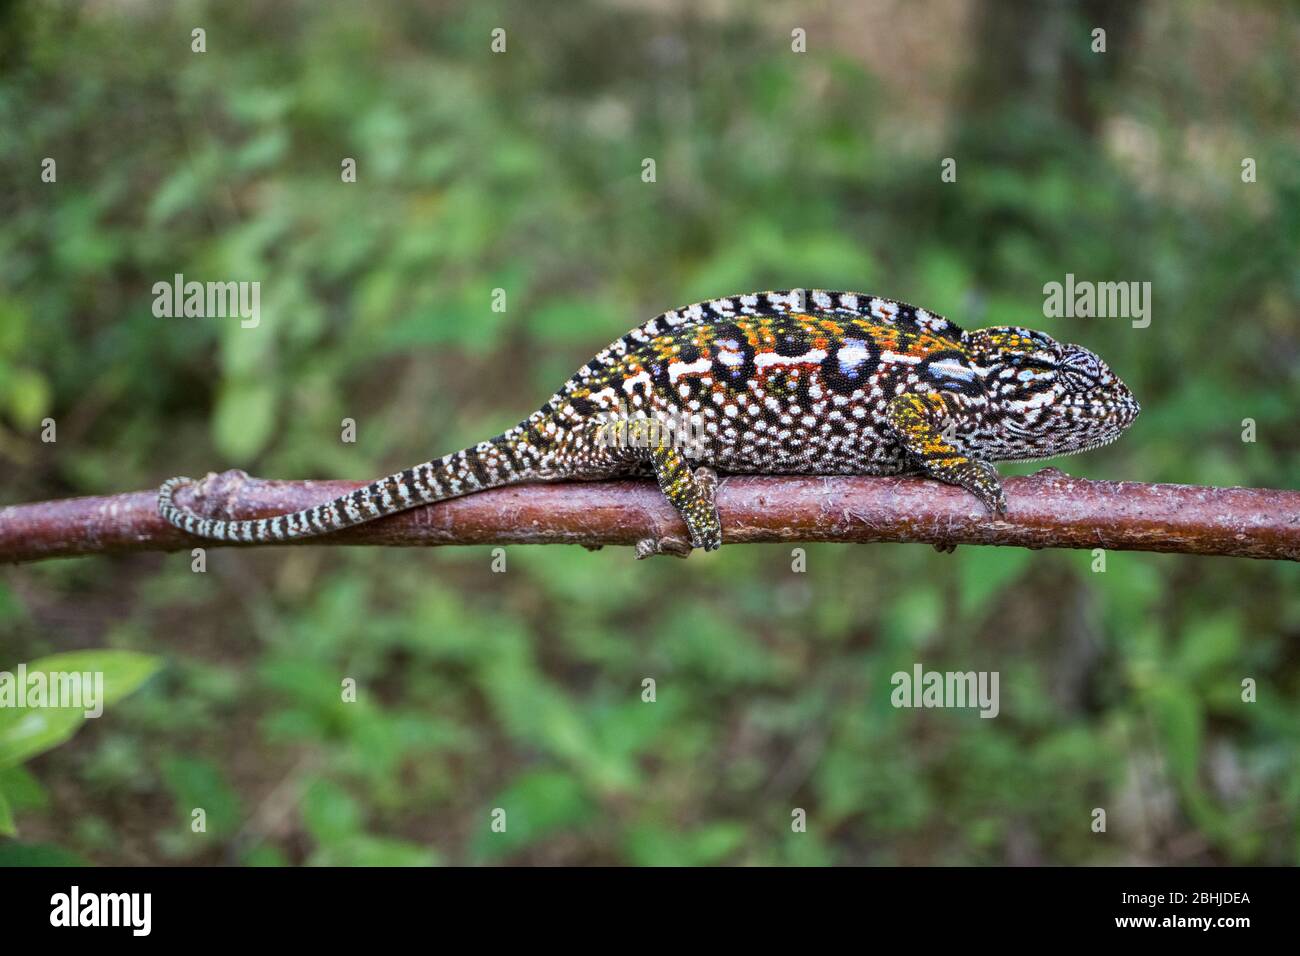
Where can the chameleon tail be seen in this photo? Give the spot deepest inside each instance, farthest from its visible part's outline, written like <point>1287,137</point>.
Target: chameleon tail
<point>486,465</point>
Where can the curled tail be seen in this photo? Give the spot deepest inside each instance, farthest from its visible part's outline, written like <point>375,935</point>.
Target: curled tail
<point>490,464</point>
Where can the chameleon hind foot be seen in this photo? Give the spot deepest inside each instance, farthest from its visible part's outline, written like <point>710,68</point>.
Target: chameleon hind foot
<point>702,518</point>
<point>692,493</point>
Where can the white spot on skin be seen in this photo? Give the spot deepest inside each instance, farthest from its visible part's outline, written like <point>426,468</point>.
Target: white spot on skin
<point>882,309</point>
<point>630,384</point>
<point>896,357</point>
<point>677,369</point>
<point>928,320</point>
<point>951,368</point>
<point>767,359</point>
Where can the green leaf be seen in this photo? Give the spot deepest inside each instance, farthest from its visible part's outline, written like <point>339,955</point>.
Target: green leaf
<point>537,805</point>
<point>332,815</point>
<point>265,150</point>
<point>1178,715</point>
<point>37,854</point>
<point>28,397</point>
<point>1208,644</point>
<point>21,788</point>
<point>366,850</point>
<point>10,608</point>
<point>28,731</point>
<point>7,827</point>
<point>650,844</point>
<point>178,192</point>
<point>986,571</point>
<point>244,418</point>
<point>197,782</point>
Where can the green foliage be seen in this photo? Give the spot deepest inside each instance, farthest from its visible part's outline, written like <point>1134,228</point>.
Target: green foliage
<point>29,728</point>
<point>26,731</point>
<point>523,691</point>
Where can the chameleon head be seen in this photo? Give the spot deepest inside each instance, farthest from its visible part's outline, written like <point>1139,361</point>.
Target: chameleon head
<point>1054,398</point>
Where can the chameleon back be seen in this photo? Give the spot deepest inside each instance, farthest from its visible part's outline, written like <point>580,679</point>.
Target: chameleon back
<point>774,386</point>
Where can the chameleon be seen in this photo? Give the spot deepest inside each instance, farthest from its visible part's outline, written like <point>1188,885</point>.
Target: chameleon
<point>803,381</point>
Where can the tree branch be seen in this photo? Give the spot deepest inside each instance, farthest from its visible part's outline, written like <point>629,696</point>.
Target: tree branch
<point>1047,510</point>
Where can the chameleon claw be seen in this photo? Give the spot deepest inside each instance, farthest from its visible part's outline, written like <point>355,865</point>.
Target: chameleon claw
<point>706,541</point>
<point>648,547</point>
<point>707,479</point>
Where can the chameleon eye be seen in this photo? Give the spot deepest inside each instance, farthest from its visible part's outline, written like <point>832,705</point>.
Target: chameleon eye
<point>1084,363</point>
<point>1078,382</point>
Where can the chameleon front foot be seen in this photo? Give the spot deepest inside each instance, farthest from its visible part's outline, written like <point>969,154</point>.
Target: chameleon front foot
<point>982,480</point>
<point>918,422</point>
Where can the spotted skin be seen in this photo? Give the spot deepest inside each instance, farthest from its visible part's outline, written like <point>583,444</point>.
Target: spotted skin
<point>796,382</point>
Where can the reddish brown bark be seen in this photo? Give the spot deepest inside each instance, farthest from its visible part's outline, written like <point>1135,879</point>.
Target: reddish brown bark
<point>1047,510</point>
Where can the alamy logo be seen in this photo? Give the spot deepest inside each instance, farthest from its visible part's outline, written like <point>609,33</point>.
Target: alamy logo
<point>1102,300</point>
<point>103,909</point>
<point>922,688</point>
<point>208,300</point>
<point>81,690</point>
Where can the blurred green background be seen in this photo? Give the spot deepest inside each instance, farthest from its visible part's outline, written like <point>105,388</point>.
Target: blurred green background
<point>522,171</point>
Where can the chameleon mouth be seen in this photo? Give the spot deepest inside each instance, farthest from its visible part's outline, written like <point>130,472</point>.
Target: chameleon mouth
<point>1114,419</point>
<point>1078,449</point>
